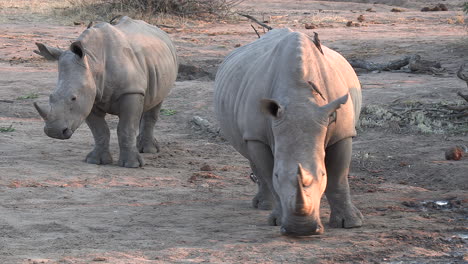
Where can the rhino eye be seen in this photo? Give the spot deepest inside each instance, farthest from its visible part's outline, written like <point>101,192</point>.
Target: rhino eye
<point>73,98</point>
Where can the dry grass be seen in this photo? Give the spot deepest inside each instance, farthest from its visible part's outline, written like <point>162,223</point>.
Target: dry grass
<point>154,11</point>
<point>458,20</point>
<point>30,10</point>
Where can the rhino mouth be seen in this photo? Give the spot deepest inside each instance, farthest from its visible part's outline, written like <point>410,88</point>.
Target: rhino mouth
<point>298,226</point>
<point>299,231</point>
<point>63,133</point>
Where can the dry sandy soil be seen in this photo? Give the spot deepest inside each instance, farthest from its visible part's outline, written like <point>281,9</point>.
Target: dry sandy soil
<point>55,208</point>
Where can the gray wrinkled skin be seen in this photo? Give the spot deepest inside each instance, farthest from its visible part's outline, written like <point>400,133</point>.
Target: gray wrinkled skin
<point>291,111</point>
<point>125,69</point>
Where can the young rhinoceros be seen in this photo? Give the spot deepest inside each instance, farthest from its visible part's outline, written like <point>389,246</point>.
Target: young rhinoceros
<point>289,105</point>
<point>126,69</point>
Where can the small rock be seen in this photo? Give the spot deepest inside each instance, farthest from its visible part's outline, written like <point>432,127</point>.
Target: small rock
<point>310,26</point>
<point>99,259</point>
<point>349,23</point>
<point>438,7</point>
<point>370,10</point>
<point>77,23</point>
<point>237,45</point>
<point>455,153</point>
<point>361,18</point>
<point>397,10</point>
<point>206,167</point>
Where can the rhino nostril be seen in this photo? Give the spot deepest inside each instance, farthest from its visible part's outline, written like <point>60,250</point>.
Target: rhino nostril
<point>66,133</point>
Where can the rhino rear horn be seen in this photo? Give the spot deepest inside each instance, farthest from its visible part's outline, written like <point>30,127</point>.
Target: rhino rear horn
<point>43,113</point>
<point>305,176</point>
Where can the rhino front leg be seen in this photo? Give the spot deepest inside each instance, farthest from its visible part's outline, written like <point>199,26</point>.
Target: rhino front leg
<point>146,142</point>
<point>262,199</point>
<point>98,125</point>
<point>262,162</point>
<point>343,212</point>
<point>130,110</point>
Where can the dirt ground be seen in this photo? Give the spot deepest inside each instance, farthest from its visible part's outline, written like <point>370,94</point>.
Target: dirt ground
<point>55,208</point>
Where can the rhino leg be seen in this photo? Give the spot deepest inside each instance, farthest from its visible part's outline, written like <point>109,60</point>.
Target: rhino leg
<point>343,212</point>
<point>146,142</point>
<point>262,162</point>
<point>263,199</point>
<point>130,110</point>
<point>100,154</point>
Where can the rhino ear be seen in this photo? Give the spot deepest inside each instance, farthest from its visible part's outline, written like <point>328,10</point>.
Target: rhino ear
<point>331,108</point>
<point>335,105</point>
<point>271,107</point>
<point>47,52</point>
<point>77,48</point>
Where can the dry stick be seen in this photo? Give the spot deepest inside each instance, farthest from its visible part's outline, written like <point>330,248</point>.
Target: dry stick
<point>464,96</point>
<point>164,26</point>
<point>255,30</point>
<point>459,109</point>
<point>256,21</point>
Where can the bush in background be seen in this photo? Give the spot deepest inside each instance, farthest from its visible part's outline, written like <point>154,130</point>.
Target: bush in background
<point>200,9</point>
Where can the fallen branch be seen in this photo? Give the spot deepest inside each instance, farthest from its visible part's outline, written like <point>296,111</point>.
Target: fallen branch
<point>371,66</point>
<point>464,96</point>
<point>414,62</point>
<point>256,21</point>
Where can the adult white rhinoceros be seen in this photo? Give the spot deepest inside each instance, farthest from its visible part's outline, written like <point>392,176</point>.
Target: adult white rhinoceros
<point>126,69</point>
<point>289,105</point>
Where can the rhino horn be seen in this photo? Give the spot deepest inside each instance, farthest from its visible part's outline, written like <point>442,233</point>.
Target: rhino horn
<point>43,113</point>
<point>304,178</point>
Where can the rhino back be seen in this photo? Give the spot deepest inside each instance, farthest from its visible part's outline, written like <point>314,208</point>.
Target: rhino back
<point>137,58</point>
<point>278,66</point>
<point>245,77</point>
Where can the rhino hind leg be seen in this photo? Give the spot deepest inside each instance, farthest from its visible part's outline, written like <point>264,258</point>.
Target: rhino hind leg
<point>343,212</point>
<point>146,142</point>
<point>98,126</point>
<point>262,162</point>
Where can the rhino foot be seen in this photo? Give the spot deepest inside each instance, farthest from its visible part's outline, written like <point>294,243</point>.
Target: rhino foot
<point>348,218</point>
<point>131,160</point>
<point>261,202</point>
<point>99,157</point>
<point>274,219</point>
<point>148,145</point>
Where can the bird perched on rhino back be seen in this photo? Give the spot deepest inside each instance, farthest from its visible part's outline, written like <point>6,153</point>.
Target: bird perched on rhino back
<point>289,105</point>
<point>127,69</point>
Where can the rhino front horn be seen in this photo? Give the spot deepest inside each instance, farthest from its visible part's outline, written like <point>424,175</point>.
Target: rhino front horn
<point>43,113</point>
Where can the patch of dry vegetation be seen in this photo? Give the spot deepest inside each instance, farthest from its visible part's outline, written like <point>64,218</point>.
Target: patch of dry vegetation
<point>150,9</point>
<point>425,118</point>
<point>30,10</point>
